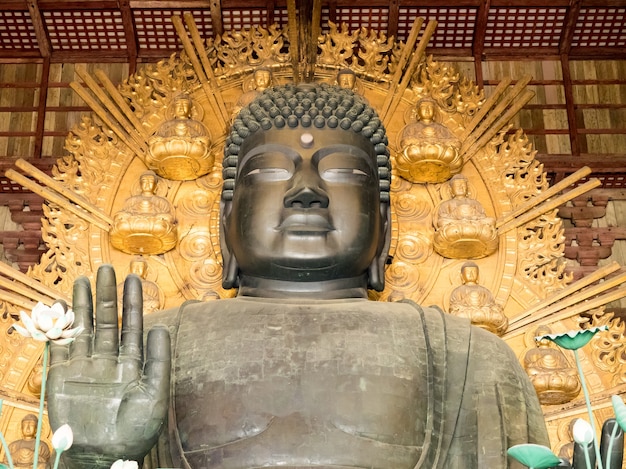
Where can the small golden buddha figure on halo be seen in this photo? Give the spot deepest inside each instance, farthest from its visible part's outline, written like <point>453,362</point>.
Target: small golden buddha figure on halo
<point>23,451</point>
<point>146,224</point>
<point>181,147</point>
<point>153,299</point>
<point>554,379</point>
<point>462,228</point>
<point>260,80</point>
<point>429,150</point>
<point>476,303</point>
<point>347,79</point>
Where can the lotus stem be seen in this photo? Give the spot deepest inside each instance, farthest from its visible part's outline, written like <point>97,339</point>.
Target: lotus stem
<point>587,458</point>
<point>57,458</point>
<point>590,412</point>
<point>41,402</point>
<point>610,449</point>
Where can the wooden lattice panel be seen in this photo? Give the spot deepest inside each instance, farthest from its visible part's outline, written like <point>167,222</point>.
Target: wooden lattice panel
<point>155,30</point>
<point>243,18</point>
<point>7,186</point>
<point>600,27</point>
<point>16,31</point>
<point>455,26</point>
<point>325,19</point>
<point>375,19</point>
<point>524,27</point>
<point>613,181</point>
<point>281,17</point>
<point>71,30</point>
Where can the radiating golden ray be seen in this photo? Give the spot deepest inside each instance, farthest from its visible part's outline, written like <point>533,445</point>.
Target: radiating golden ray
<point>200,71</point>
<point>206,65</point>
<point>417,57</point>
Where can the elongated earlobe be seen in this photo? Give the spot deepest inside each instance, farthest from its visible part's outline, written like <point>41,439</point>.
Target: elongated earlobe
<point>376,271</point>
<point>230,272</point>
<point>230,275</point>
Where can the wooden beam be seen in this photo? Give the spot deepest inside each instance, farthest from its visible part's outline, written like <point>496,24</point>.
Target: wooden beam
<point>608,163</point>
<point>19,400</point>
<point>392,25</point>
<point>216,17</point>
<point>478,40</point>
<point>571,17</point>
<point>130,35</point>
<point>41,108</point>
<point>43,41</point>
<point>568,90</point>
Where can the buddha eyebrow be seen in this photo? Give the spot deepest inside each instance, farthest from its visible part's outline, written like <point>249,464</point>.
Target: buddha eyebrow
<point>349,150</point>
<point>288,151</point>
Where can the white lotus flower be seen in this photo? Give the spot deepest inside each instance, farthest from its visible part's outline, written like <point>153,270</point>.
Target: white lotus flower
<point>49,323</point>
<point>124,464</point>
<point>62,438</point>
<point>582,432</point>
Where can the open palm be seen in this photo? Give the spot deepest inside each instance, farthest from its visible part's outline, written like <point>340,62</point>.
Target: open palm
<point>114,400</point>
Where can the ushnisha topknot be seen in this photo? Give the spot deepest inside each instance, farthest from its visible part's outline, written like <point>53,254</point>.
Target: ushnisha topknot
<point>316,105</point>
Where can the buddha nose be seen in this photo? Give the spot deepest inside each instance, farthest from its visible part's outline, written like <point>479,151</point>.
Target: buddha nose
<point>306,196</point>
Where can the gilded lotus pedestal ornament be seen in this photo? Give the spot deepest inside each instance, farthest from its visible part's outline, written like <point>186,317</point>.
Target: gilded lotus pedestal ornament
<point>476,303</point>
<point>146,224</point>
<point>462,228</point>
<point>180,149</point>
<point>430,152</point>
<point>554,379</point>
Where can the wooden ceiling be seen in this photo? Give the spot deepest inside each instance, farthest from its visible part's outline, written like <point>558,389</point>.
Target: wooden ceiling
<point>135,30</point>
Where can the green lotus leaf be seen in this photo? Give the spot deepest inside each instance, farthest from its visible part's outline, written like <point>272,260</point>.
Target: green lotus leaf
<point>620,411</point>
<point>573,340</point>
<point>534,456</point>
<point>3,466</point>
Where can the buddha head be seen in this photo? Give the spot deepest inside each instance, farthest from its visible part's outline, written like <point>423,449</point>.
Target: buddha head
<point>148,182</point>
<point>262,78</point>
<point>346,78</point>
<point>29,426</point>
<point>139,267</point>
<point>182,106</point>
<point>469,273</point>
<point>540,336</point>
<point>305,202</point>
<point>458,185</point>
<point>425,110</point>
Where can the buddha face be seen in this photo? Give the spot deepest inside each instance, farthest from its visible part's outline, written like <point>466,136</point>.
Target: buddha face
<point>346,80</point>
<point>182,108</point>
<point>306,206</point>
<point>426,111</point>
<point>469,273</point>
<point>458,185</point>
<point>148,183</point>
<point>262,79</point>
<point>138,268</point>
<point>29,428</point>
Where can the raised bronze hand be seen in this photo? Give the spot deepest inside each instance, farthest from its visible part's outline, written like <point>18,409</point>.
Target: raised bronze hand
<point>114,401</point>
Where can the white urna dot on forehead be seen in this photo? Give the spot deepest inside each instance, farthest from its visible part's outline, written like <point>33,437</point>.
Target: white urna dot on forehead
<point>306,140</point>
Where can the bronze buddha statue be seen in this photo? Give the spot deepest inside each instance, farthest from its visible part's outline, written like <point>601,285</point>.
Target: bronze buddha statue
<point>300,370</point>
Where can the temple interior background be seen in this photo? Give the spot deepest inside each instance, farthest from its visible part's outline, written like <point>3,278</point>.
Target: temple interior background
<point>575,51</point>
